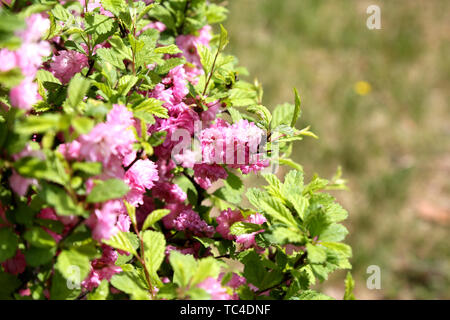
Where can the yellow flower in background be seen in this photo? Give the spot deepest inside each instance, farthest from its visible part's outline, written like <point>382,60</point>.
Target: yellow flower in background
<point>362,88</point>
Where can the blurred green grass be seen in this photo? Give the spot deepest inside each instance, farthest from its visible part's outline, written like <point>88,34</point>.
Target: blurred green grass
<point>393,142</point>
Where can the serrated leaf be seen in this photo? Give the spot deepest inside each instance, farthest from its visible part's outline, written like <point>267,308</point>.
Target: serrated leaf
<point>73,265</point>
<point>316,254</point>
<point>58,198</point>
<point>122,242</point>
<point>240,228</point>
<point>78,87</point>
<point>296,113</point>
<point>154,247</point>
<point>107,190</point>
<point>349,287</point>
<point>131,283</point>
<point>154,217</point>
<point>171,49</point>
<point>184,267</point>
<point>207,267</point>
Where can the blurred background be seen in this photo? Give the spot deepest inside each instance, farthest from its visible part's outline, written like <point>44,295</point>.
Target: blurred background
<point>379,101</point>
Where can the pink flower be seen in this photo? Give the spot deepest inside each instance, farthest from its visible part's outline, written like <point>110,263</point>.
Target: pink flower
<point>225,220</point>
<point>206,174</point>
<point>211,114</point>
<point>37,25</point>
<point>25,95</point>
<point>189,44</point>
<point>103,268</point>
<point>236,145</point>
<point>189,220</point>
<point>169,192</point>
<point>8,60</point>
<point>214,288</point>
<point>29,57</point>
<point>20,184</point>
<point>65,65</point>
<point>15,265</point>
<point>112,139</point>
<point>139,177</point>
<point>124,222</point>
<point>70,151</point>
<point>248,240</point>
<point>175,209</point>
<point>103,221</point>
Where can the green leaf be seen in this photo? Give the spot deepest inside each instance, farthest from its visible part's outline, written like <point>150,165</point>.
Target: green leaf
<point>207,267</point>
<point>58,198</point>
<point>115,6</point>
<point>223,38</point>
<point>154,248</point>
<point>263,113</point>
<point>11,78</point>
<point>240,228</point>
<point>282,115</point>
<point>171,49</point>
<point>101,292</point>
<point>122,242</point>
<point>78,87</point>
<point>131,210</point>
<point>349,287</point>
<point>111,56</point>
<point>8,284</point>
<point>82,125</point>
<point>154,217</point>
<point>60,289</point>
<point>296,114</point>
<point>316,254</point>
<point>311,295</point>
<point>98,23</point>
<point>107,190</point>
<point>333,233</point>
<point>36,168</point>
<point>257,274</point>
<point>46,76</point>
<point>153,107</point>
<point>61,13</point>
<point>276,209</point>
<point>168,65</point>
<point>160,13</point>
<point>126,83</point>
<point>90,168</point>
<point>184,267</point>
<point>38,124</point>
<point>131,282</point>
<point>38,237</point>
<point>36,256</point>
<point>73,265</point>
<point>8,244</point>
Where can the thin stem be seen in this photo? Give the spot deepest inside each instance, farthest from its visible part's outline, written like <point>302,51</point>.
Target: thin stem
<point>212,72</point>
<point>142,260</point>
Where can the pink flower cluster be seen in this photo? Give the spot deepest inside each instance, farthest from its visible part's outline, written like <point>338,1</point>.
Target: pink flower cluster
<point>28,58</point>
<point>183,218</point>
<point>235,145</point>
<point>111,143</point>
<point>67,63</point>
<point>102,269</point>
<point>189,44</point>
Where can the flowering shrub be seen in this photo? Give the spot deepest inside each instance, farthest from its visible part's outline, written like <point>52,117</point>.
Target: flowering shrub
<point>125,132</point>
